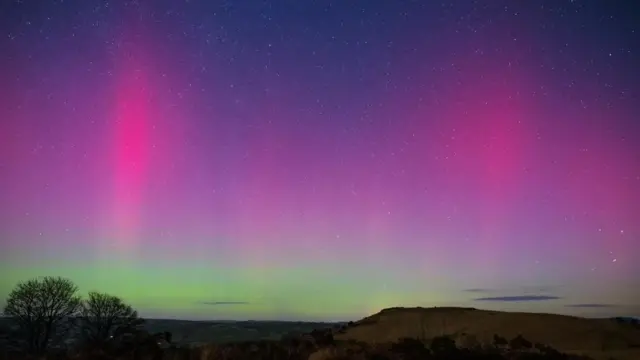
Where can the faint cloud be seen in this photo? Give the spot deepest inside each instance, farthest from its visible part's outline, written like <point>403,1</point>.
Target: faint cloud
<point>216,303</point>
<point>518,298</point>
<point>591,306</point>
<point>539,289</point>
<point>524,290</point>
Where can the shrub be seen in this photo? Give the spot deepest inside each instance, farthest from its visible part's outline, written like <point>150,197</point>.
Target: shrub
<point>520,343</point>
<point>499,341</point>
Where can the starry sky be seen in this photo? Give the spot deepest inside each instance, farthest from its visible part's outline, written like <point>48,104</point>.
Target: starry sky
<point>322,160</point>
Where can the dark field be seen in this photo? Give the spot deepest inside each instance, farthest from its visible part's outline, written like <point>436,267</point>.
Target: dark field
<point>198,332</point>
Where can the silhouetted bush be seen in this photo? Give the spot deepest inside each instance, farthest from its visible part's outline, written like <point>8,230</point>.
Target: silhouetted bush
<point>410,348</point>
<point>499,341</point>
<point>444,347</point>
<point>322,337</point>
<point>520,343</point>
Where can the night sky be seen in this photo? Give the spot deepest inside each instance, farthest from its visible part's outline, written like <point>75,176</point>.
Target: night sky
<point>323,160</point>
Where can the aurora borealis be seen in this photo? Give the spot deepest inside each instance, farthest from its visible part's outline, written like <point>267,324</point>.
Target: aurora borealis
<point>323,160</point>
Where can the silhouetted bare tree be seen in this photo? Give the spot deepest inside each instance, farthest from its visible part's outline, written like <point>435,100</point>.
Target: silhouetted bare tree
<point>104,317</point>
<point>43,310</point>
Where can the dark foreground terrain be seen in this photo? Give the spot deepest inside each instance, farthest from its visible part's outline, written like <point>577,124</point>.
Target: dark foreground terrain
<point>195,333</point>
<point>398,333</point>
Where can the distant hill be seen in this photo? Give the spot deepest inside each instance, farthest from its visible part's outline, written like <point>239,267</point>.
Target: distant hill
<point>595,337</point>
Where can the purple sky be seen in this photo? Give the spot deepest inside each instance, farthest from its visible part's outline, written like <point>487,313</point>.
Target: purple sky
<point>323,160</point>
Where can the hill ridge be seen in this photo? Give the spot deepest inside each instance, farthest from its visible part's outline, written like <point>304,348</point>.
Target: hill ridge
<point>564,332</point>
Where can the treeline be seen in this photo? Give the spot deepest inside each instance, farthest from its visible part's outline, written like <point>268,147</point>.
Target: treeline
<point>46,315</point>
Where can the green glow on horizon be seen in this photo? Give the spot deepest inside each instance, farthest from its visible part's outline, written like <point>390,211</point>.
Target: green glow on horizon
<point>314,292</point>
